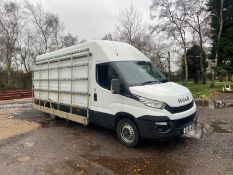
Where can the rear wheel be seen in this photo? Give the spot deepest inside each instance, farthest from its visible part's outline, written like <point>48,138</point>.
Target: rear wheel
<point>128,133</point>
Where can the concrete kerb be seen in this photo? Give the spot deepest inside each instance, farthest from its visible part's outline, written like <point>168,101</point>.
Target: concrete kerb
<point>211,103</point>
<point>16,101</point>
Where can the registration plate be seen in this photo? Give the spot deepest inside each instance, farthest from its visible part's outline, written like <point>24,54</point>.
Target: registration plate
<point>188,129</point>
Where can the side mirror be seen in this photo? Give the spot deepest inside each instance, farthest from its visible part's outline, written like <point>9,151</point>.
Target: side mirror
<point>115,86</point>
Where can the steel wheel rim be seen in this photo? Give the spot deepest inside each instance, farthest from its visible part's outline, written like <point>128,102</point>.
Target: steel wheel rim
<point>127,133</point>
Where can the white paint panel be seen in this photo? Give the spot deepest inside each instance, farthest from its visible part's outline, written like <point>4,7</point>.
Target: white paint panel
<point>80,85</point>
<point>80,100</point>
<point>80,72</point>
<point>65,98</point>
<point>36,94</point>
<point>44,95</point>
<point>36,75</point>
<point>53,96</point>
<point>53,74</point>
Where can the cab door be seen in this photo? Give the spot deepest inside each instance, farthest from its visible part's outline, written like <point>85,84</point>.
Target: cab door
<point>105,104</point>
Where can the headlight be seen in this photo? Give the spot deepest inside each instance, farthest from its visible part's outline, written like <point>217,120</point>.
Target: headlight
<point>151,103</point>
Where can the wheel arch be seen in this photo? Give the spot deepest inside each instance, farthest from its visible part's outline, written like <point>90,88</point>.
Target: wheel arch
<point>121,115</point>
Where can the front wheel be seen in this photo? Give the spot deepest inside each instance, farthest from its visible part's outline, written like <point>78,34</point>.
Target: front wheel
<point>128,133</point>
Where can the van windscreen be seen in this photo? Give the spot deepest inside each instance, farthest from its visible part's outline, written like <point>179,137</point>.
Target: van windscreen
<point>140,72</point>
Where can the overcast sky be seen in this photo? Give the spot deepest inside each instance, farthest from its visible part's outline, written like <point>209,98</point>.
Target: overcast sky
<point>91,19</point>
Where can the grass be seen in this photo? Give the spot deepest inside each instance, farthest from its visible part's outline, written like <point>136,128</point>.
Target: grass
<point>204,90</point>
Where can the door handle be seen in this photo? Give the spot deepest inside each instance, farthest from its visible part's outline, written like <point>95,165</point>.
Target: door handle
<point>95,96</point>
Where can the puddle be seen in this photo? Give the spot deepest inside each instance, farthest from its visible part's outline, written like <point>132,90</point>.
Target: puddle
<point>217,127</point>
<point>45,124</point>
<point>50,122</point>
<point>204,130</point>
<point>150,165</point>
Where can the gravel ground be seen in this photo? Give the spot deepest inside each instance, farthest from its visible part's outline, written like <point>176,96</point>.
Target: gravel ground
<point>10,125</point>
<point>64,147</point>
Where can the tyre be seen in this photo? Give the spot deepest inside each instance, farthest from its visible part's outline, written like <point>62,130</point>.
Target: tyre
<point>128,133</point>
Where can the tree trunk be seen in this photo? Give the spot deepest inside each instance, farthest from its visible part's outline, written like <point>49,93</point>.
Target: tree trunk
<point>8,68</point>
<point>212,85</point>
<point>169,66</point>
<point>203,79</point>
<point>185,65</point>
<point>9,77</point>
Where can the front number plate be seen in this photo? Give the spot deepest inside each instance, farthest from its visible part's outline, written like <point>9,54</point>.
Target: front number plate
<point>188,129</point>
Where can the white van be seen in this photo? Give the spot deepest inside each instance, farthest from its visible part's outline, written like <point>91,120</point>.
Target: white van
<point>112,84</point>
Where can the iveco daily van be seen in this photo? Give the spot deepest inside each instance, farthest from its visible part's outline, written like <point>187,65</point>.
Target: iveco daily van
<point>112,84</point>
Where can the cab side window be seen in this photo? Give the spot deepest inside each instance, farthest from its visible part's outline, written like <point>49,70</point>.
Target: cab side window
<point>104,74</point>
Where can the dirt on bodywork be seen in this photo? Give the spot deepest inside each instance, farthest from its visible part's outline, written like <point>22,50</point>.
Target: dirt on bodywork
<point>64,147</point>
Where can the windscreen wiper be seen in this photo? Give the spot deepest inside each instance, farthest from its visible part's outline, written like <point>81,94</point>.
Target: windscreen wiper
<point>148,82</point>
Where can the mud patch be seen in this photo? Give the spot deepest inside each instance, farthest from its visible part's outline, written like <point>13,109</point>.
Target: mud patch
<point>205,130</point>
<point>45,124</point>
<point>217,127</point>
<point>77,167</point>
<point>150,165</point>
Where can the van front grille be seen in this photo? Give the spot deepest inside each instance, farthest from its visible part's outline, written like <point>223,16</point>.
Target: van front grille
<point>183,121</point>
<point>175,110</point>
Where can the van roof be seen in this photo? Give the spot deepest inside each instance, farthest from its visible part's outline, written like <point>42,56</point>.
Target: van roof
<point>103,49</point>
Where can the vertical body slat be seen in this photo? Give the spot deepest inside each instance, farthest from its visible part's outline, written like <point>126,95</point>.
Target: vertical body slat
<point>39,84</point>
<point>58,83</point>
<point>48,79</point>
<point>71,83</point>
<point>88,84</point>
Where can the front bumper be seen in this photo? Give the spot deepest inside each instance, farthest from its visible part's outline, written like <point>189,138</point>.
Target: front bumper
<point>150,127</point>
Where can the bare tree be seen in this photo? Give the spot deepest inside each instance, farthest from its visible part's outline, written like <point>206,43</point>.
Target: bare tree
<point>26,52</point>
<point>57,29</point>
<point>39,19</point>
<point>157,51</point>
<point>130,26</point>
<point>47,25</point>
<point>198,20</point>
<point>11,24</point>
<point>220,20</point>
<point>169,65</point>
<point>172,23</point>
<point>69,40</point>
<point>108,36</point>
<point>132,30</point>
<point>26,30</point>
